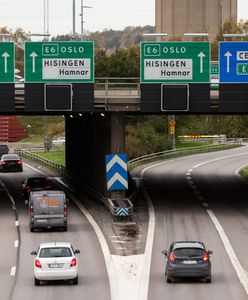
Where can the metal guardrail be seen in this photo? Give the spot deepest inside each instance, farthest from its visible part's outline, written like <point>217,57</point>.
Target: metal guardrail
<point>46,162</point>
<point>183,151</point>
<point>119,208</point>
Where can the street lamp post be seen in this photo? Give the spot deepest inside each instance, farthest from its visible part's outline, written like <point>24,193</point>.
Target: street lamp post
<point>82,19</point>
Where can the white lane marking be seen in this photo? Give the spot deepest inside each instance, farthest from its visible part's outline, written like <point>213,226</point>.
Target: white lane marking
<point>188,174</point>
<point>120,242</point>
<point>239,169</point>
<point>194,187</point>
<point>13,271</point>
<point>197,192</point>
<point>35,169</point>
<point>241,272</point>
<point>17,223</point>
<point>205,204</point>
<point>190,170</point>
<point>219,158</point>
<point>230,251</point>
<point>201,198</point>
<point>16,245</point>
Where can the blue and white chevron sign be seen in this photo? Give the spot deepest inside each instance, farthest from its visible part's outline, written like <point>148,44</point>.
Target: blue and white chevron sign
<point>122,212</point>
<point>116,172</point>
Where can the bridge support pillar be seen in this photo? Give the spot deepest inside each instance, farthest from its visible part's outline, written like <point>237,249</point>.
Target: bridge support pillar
<point>89,137</point>
<point>117,142</point>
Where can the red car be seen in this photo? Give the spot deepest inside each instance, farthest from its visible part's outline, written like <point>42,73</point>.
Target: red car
<point>37,184</point>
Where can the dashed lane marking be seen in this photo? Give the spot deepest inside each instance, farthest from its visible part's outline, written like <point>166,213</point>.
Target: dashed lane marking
<point>13,271</point>
<point>16,245</point>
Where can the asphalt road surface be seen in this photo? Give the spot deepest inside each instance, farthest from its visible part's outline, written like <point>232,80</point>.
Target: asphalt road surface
<point>185,192</point>
<point>16,276</point>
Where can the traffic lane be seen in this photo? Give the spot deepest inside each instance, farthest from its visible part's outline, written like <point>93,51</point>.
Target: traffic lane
<point>93,278</point>
<point>8,251</point>
<point>181,216</point>
<point>227,197</point>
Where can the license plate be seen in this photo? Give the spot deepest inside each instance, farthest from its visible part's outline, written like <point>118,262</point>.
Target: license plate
<point>189,262</point>
<point>41,221</point>
<point>53,266</point>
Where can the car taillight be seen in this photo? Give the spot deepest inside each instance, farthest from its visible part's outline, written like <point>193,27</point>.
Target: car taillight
<point>37,263</point>
<point>172,256</point>
<point>31,209</point>
<point>65,209</point>
<point>205,257</point>
<point>48,186</point>
<point>4,162</point>
<point>73,262</point>
<point>18,162</point>
<point>26,187</point>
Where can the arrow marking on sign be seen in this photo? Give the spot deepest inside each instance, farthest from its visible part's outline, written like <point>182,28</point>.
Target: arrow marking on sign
<point>201,55</point>
<point>118,160</point>
<point>118,177</point>
<point>228,55</point>
<point>33,55</point>
<point>5,56</point>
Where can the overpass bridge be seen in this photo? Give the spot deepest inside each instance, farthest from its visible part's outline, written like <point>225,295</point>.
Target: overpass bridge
<point>96,126</point>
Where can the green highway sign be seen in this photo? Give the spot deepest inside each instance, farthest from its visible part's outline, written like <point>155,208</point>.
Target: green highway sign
<point>59,62</point>
<point>214,73</point>
<point>7,62</point>
<point>181,62</point>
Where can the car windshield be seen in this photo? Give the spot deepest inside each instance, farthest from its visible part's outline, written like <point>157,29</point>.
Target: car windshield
<point>188,252</point>
<point>55,252</point>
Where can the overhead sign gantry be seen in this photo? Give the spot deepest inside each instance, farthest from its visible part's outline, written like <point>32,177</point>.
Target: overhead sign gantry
<point>59,62</point>
<point>59,76</point>
<point>175,62</point>
<point>7,62</point>
<point>175,76</point>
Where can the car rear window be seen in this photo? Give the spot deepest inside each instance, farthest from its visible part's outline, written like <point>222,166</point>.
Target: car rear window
<point>188,252</point>
<point>37,181</point>
<point>55,252</point>
<point>10,157</point>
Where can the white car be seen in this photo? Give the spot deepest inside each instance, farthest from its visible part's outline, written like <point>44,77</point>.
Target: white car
<point>59,141</point>
<point>55,261</point>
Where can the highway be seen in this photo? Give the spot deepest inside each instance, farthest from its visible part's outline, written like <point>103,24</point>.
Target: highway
<point>194,198</point>
<point>17,264</point>
<point>186,193</point>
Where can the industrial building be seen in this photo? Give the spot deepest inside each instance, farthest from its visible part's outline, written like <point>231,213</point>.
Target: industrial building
<point>176,17</point>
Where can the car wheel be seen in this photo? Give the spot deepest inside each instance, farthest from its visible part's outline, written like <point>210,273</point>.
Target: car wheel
<point>208,280</point>
<point>36,281</point>
<point>65,228</point>
<point>169,279</point>
<point>31,229</point>
<point>75,280</point>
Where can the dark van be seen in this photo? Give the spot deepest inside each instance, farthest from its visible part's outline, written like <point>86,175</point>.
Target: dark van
<point>47,209</point>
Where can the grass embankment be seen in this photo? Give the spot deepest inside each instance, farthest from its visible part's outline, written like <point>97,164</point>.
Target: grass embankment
<point>244,172</point>
<point>56,156</point>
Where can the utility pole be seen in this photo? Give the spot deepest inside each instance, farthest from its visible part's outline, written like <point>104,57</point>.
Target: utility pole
<point>73,17</point>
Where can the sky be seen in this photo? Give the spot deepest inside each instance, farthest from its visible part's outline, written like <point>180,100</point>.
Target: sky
<point>103,14</point>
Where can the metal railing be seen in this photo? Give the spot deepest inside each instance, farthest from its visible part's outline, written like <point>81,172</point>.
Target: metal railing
<point>182,152</point>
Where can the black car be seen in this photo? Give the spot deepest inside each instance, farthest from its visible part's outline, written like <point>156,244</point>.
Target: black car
<point>37,184</point>
<point>4,149</point>
<point>11,162</point>
<point>188,259</point>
